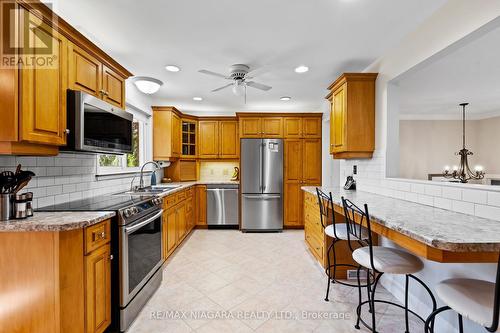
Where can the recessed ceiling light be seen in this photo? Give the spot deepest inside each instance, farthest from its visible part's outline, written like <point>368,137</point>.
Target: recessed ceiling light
<point>301,69</point>
<point>147,85</point>
<point>172,68</point>
<point>285,98</point>
<point>197,99</point>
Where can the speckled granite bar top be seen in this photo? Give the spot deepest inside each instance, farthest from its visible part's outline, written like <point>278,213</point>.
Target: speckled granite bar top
<point>439,228</point>
<point>55,221</point>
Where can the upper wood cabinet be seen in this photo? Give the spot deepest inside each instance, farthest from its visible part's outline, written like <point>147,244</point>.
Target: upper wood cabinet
<point>42,116</point>
<point>188,140</point>
<point>218,139</point>
<point>302,127</point>
<point>209,138</point>
<point>33,94</point>
<point>352,117</point>
<point>88,74</point>
<point>166,133</point>
<point>229,145</point>
<point>261,127</point>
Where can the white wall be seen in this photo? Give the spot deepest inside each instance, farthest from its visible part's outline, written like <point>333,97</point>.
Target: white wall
<point>455,20</point>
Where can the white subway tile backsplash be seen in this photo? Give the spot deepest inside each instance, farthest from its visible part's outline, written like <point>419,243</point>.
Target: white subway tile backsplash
<point>410,196</point>
<point>61,198</point>
<point>45,181</point>
<point>433,190</point>
<point>494,198</point>
<point>426,200</point>
<point>475,196</point>
<point>443,203</point>
<point>452,193</point>
<point>54,171</point>
<point>418,188</point>
<point>463,207</point>
<point>488,212</point>
<point>45,161</point>
<point>26,161</point>
<point>46,201</point>
<point>67,188</point>
<point>54,190</point>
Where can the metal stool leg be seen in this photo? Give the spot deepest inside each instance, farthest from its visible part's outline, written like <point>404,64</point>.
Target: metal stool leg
<point>358,310</point>
<point>328,270</point>
<point>375,283</point>
<point>334,260</point>
<point>407,280</point>
<point>460,324</point>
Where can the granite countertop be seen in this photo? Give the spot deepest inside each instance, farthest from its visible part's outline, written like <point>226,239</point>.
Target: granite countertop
<point>55,221</point>
<point>185,185</point>
<point>439,228</point>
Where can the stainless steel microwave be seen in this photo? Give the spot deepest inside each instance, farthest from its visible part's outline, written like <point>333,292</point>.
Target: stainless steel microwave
<point>97,126</point>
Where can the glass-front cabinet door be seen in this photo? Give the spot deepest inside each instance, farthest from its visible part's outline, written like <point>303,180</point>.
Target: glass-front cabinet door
<point>188,138</point>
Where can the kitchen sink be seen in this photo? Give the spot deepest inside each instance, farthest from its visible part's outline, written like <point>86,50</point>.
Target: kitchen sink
<point>152,190</point>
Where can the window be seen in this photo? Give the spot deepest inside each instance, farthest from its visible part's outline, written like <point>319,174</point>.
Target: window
<point>112,164</point>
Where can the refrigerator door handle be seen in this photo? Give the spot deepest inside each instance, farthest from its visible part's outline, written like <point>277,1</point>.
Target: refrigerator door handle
<point>260,197</point>
<point>263,165</point>
<point>261,151</point>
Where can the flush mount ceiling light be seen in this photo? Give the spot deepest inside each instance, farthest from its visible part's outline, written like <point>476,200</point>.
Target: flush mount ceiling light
<point>285,98</point>
<point>301,69</point>
<point>198,99</point>
<point>147,85</point>
<point>172,68</point>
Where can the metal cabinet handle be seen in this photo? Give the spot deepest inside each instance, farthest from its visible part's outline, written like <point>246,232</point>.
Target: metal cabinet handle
<point>111,257</point>
<point>67,131</point>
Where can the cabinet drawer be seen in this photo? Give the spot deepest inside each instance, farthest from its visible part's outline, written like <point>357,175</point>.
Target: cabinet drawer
<point>169,201</point>
<point>314,244</point>
<point>181,196</point>
<point>190,192</point>
<point>97,235</point>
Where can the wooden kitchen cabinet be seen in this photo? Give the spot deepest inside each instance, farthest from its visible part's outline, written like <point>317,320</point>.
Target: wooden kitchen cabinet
<point>209,138</point>
<point>218,139</point>
<point>181,221</point>
<point>352,116</point>
<point>42,116</point>
<point>229,143</point>
<point>98,289</point>
<point>298,172</point>
<point>189,135</point>
<point>87,73</point>
<point>302,127</point>
<point>201,204</point>
<point>261,127</point>
<point>166,133</point>
<point>33,94</point>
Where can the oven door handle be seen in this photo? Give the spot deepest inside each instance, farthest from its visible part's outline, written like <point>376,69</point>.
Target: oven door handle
<point>135,227</point>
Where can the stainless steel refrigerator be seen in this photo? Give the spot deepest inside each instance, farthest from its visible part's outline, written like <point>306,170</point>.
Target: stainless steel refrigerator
<point>262,184</point>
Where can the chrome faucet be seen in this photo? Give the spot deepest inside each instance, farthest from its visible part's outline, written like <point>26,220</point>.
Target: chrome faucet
<point>141,180</point>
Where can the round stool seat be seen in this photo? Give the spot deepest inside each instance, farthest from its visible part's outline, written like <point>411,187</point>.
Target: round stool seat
<point>341,230</point>
<point>471,298</point>
<point>388,260</point>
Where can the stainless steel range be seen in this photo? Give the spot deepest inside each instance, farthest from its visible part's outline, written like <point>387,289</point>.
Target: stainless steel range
<point>136,243</point>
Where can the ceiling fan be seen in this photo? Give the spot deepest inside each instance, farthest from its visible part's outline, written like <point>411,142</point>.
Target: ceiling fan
<point>241,80</point>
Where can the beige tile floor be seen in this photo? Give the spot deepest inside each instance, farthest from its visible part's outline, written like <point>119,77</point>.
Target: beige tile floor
<point>228,281</point>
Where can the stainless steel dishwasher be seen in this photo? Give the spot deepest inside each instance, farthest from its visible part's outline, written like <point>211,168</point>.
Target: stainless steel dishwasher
<point>222,205</point>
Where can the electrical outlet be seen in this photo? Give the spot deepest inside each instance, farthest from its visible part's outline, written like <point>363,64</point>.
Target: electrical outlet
<point>354,169</point>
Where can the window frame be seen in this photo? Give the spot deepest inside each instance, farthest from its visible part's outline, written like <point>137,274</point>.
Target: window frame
<point>143,120</point>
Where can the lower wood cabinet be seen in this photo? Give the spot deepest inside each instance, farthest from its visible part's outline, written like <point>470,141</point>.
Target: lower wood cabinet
<point>201,204</point>
<point>67,276</point>
<point>98,289</point>
<point>178,219</point>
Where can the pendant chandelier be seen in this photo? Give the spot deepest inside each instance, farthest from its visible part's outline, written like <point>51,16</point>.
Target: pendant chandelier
<point>463,173</point>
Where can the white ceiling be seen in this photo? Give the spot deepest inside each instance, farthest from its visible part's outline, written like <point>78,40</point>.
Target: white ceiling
<point>469,72</point>
<point>273,36</point>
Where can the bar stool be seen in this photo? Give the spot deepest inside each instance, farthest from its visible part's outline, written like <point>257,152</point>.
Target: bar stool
<point>476,300</point>
<point>380,260</point>
<point>338,232</point>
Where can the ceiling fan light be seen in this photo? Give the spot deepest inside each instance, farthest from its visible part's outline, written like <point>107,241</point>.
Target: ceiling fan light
<point>238,88</point>
<point>147,85</point>
<point>285,98</point>
<point>198,99</point>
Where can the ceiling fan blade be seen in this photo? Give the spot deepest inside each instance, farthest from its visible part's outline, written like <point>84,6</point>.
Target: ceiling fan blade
<point>204,71</point>
<point>224,87</point>
<point>258,85</point>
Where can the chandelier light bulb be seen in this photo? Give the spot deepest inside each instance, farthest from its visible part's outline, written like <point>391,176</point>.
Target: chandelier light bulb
<point>478,168</point>
<point>447,168</point>
<point>455,168</point>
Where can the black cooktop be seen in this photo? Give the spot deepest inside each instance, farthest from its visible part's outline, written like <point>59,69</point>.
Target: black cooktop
<point>108,202</point>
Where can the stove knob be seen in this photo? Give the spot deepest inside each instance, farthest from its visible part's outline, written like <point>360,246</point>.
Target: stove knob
<point>127,212</point>
<point>135,210</point>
